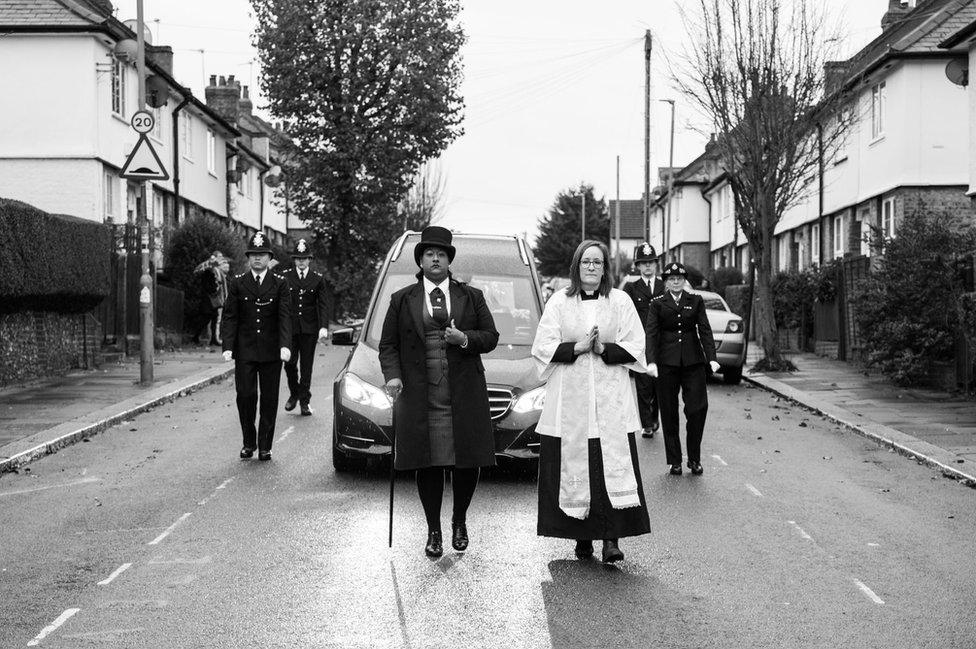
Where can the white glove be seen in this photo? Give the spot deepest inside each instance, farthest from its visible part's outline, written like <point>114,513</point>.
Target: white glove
<point>715,366</point>
<point>323,334</point>
<point>228,355</point>
<point>652,369</point>
<point>285,354</point>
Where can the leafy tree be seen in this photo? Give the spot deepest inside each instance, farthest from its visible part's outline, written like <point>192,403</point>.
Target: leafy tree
<point>755,69</point>
<point>369,90</point>
<point>904,311</point>
<point>423,204</point>
<point>560,231</point>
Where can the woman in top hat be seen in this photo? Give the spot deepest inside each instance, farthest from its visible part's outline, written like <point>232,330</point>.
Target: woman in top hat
<point>641,290</point>
<point>680,351</point>
<point>589,478</point>
<point>430,349</point>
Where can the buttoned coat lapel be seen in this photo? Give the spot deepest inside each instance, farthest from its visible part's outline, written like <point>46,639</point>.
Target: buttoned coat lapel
<point>459,300</point>
<point>416,305</point>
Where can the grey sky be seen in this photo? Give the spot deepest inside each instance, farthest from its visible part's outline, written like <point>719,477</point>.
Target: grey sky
<point>554,92</point>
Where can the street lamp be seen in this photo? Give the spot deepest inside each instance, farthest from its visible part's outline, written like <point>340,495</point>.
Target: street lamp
<point>666,224</point>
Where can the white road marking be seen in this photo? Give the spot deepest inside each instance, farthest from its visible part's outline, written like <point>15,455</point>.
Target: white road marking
<point>118,571</point>
<point>801,531</point>
<point>201,560</point>
<point>214,492</point>
<point>224,484</point>
<point>285,433</point>
<point>169,529</point>
<point>754,491</point>
<point>50,628</point>
<point>874,545</point>
<point>104,636</point>
<point>53,486</point>
<point>723,462</point>
<point>867,591</point>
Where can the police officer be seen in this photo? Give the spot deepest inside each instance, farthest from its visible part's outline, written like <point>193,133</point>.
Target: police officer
<point>680,349</point>
<point>256,333</point>
<point>309,320</point>
<point>641,291</point>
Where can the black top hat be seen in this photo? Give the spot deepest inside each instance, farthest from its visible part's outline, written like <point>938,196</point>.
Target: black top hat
<point>259,244</point>
<point>644,252</point>
<point>434,236</point>
<point>302,250</point>
<point>674,268</point>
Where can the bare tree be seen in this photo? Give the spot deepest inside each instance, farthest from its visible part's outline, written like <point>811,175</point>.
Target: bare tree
<point>423,204</point>
<point>757,73</point>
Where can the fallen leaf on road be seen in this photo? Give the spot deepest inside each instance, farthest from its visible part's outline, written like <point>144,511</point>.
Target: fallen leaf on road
<point>748,416</point>
<point>775,417</point>
<point>133,430</point>
<point>827,457</point>
<point>803,424</point>
<point>760,437</point>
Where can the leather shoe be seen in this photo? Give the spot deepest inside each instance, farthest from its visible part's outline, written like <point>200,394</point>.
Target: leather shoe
<point>648,433</point>
<point>675,469</point>
<point>435,546</point>
<point>459,536</point>
<point>611,553</point>
<point>696,468</point>
<point>291,403</point>
<point>264,455</point>
<point>584,549</point>
<point>247,453</point>
<point>654,426</point>
<point>306,411</point>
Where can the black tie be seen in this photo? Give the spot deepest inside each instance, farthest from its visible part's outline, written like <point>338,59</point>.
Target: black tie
<point>301,275</point>
<point>438,308</point>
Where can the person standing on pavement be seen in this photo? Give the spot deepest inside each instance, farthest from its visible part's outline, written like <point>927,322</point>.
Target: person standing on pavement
<point>430,349</point>
<point>680,351</point>
<point>309,324</point>
<point>588,341</point>
<point>641,291</point>
<point>256,335</point>
<point>213,284</point>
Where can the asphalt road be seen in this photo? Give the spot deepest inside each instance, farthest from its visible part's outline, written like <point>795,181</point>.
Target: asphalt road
<point>154,535</point>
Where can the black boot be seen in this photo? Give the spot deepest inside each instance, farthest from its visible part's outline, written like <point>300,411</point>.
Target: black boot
<point>435,546</point>
<point>459,536</point>
<point>611,553</point>
<point>584,549</point>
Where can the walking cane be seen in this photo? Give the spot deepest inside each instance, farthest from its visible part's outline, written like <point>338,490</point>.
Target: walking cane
<point>392,396</point>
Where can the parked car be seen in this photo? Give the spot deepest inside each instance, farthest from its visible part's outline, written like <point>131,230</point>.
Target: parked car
<point>501,267</point>
<point>727,329</point>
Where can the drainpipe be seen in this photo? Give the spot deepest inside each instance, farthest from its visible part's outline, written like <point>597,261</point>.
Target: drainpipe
<point>709,201</point>
<point>820,192</point>
<point>176,155</point>
<point>261,198</point>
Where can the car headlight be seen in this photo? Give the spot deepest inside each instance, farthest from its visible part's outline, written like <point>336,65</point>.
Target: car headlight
<point>359,391</point>
<point>531,400</point>
<point>733,327</point>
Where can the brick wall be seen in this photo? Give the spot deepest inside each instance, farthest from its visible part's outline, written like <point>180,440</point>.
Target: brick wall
<point>40,344</point>
<point>952,200</point>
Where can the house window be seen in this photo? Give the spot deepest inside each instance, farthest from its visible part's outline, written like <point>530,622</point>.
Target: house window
<point>110,198</point>
<point>729,202</point>
<point>118,88</point>
<point>784,252</point>
<point>211,152</point>
<point>878,98</point>
<point>157,131</point>
<point>186,136</point>
<point>815,243</point>
<point>247,183</point>
<point>888,219</point>
<point>839,235</point>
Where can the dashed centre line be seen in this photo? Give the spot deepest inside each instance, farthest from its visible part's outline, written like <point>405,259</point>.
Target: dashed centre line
<point>53,626</point>
<point>800,530</point>
<point>285,433</point>
<point>118,571</point>
<point>754,491</point>
<point>169,529</point>
<point>720,460</point>
<point>867,591</point>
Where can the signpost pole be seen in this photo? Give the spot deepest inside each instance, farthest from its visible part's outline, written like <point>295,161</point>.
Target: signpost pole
<point>146,328</point>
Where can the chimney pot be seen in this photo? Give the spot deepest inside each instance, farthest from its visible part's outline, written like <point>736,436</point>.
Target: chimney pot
<point>246,96</point>
<point>213,79</point>
<point>223,81</point>
<point>230,80</point>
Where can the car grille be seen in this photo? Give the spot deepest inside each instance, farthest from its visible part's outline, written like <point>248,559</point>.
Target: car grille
<point>499,401</point>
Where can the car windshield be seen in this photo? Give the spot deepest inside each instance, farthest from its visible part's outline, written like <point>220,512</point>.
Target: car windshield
<point>713,303</point>
<point>510,299</point>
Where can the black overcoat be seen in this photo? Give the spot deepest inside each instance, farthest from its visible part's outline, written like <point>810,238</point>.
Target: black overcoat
<point>309,301</point>
<point>641,294</point>
<point>402,355</point>
<point>679,333</point>
<point>257,319</point>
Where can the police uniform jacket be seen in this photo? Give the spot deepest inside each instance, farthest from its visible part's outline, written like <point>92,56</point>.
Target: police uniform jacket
<point>309,301</point>
<point>678,333</point>
<point>257,319</point>
<point>641,294</point>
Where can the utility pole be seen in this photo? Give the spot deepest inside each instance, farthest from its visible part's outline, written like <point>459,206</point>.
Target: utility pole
<point>583,212</point>
<point>616,224</point>
<point>146,328</point>
<point>647,134</point>
<point>665,239</point>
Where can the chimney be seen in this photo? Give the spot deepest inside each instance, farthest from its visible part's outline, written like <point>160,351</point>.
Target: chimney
<point>161,55</point>
<point>897,9</point>
<point>835,72</point>
<point>103,7</point>
<point>223,95</point>
<point>244,105</point>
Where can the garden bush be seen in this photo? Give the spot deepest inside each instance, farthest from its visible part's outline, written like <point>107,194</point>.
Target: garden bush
<point>724,276</point>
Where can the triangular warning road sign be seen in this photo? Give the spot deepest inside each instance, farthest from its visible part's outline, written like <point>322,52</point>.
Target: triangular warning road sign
<point>143,163</point>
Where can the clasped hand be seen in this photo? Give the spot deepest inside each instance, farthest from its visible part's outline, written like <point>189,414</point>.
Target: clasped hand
<point>590,343</point>
<point>453,335</point>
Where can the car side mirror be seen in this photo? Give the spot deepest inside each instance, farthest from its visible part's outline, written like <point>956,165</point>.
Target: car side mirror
<point>345,336</point>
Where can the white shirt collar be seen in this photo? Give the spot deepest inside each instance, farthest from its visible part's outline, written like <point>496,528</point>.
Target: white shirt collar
<point>430,286</point>
<point>258,277</point>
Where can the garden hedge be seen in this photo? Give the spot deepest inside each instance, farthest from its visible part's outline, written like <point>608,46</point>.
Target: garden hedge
<point>51,262</point>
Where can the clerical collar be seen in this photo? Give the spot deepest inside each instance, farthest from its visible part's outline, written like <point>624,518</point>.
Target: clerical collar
<point>589,295</point>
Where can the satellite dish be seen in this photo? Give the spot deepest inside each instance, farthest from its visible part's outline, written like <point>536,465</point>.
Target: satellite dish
<point>957,71</point>
<point>133,25</point>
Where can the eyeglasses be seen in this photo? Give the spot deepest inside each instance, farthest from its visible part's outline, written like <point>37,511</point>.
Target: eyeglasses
<point>591,263</point>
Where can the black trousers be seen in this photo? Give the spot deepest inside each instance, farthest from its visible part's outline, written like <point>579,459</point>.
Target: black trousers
<point>646,399</point>
<point>302,358</point>
<point>248,376</point>
<point>690,381</point>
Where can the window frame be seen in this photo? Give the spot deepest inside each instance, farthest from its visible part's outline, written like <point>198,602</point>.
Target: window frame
<point>815,243</point>
<point>888,218</point>
<point>186,136</point>
<point>212,152</point>
<point>110,198</point>
<point>118,87</point>
<point>838,235</point>
<point>879,97</point>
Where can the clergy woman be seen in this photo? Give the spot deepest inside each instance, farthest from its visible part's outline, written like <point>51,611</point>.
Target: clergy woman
<point>433,336</point>
<point>589,479</point>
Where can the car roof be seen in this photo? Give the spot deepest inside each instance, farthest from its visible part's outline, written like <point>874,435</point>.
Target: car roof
<point>489,253</point>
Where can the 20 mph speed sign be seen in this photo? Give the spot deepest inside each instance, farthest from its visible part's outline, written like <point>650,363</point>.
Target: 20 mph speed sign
<point>143,121</point>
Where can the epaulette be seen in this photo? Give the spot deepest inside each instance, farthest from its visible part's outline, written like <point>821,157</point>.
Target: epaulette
<point>318,273</point>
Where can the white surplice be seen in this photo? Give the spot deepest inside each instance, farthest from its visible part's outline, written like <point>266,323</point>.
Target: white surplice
<point>589,399</point>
